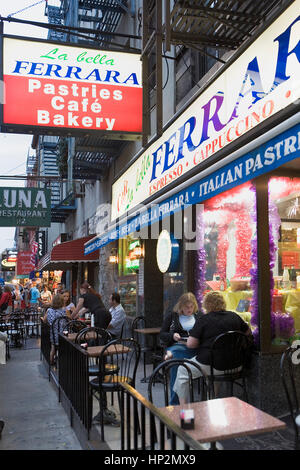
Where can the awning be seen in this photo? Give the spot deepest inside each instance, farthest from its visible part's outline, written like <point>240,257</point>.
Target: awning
<point>62,256</point>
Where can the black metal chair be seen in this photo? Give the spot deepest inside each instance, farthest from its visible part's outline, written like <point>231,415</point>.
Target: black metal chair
<point>229,353</point>
<point>16,329</point>
<point>164,370</point>
<point>124,354</point>
<point>139,323</point>
<point>289,364</point>
<point>94,336</point>
<point>74,326</point>
<point>32,322</point>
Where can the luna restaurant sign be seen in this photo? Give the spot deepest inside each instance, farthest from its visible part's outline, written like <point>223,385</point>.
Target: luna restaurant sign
<point>260,82</point>
<point>27,207</point>
<point>58,86</point>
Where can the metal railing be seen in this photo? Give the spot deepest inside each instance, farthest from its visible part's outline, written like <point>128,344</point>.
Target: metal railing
<point>73,379</point>
<point>45,344</point>
<point>146,427</point>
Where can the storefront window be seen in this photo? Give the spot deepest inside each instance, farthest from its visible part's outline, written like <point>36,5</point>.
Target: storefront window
<point>226,259</point>
<point>284,221</point>
<point>130,253</point>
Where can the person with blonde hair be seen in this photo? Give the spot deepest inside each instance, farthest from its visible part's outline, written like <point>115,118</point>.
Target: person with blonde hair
<point>217,320</point>
<point>174,334</point>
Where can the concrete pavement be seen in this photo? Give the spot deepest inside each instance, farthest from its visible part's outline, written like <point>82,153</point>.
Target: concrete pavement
<point>34,419</point>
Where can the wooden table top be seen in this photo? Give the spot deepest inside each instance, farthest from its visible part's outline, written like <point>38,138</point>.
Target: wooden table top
<point>148,331</point>
<point>89,335</point>
<point>225,418</point>
<point>95,351</point>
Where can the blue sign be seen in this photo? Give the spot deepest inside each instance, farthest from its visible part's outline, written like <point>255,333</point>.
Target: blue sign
<point>2,282</point>
<point>264,159</point>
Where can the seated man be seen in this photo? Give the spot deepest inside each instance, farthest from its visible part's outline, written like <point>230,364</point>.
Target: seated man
<point>207,327</point>
<point>117,316</point>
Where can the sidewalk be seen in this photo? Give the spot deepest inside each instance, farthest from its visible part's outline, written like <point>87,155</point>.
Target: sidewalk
<point>34,419</point>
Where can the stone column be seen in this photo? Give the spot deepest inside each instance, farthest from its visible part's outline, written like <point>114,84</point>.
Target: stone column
<point>107,274</point>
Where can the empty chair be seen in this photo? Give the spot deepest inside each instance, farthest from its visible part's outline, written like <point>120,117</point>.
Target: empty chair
<point>139,323</point>
<point>32,322</point>
<point>75,326</point>
<point>16,329</point>
<point>289,367</point>
<point>229,356</point>
<point>124,354</point>
<point>94,336</point>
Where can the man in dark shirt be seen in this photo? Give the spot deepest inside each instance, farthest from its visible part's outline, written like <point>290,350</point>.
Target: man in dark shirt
<point>207,327</point>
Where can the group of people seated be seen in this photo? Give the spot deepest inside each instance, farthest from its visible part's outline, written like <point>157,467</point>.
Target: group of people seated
<point>111,319</point>
<point>189,334</point>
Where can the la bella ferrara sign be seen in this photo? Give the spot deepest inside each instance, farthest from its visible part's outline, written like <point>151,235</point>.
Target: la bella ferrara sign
<point>25,207</point>
<point>52,85</point>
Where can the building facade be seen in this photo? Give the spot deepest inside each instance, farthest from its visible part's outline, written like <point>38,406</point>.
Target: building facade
<point>206,197</point>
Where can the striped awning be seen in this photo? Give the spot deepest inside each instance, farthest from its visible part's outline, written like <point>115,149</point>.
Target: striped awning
<point>65,254</point>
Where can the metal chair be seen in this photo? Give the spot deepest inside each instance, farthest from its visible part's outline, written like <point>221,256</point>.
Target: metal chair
<point>229,353</point>
<point>164,370</point>
<point>75,326</point>
<point>94,336</point>
<point>125,354</point>
<point>16,329</point>
<point>32,322</point>
<point>289,364</point>
<point>139,323</point>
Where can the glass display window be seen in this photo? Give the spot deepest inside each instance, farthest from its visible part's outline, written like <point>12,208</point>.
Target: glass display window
<point>227,232</point>
<point>284,228</point>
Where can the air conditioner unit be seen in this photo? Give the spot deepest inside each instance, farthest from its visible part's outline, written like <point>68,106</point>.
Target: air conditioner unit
<point>79,189</point>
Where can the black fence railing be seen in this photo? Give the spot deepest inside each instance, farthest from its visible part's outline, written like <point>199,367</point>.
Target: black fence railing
<point>145,427</point>
<point>73,379</point>
<point>45,344</point>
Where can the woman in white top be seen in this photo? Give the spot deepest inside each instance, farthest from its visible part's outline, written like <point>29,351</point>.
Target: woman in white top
<point>46,296</point>
<point>174,334</point>
<point>68,306</point>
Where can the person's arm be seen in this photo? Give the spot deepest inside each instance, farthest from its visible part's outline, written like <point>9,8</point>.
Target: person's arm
<point>117,317</point>
<point>192,342</point>
<point>166,336</point>
<point>78,307</point>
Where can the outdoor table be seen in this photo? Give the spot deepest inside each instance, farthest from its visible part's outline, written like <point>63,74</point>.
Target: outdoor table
<point>154,332</point>
<point>95,351</point>
<point>72,336</point>
<point>224,418</point>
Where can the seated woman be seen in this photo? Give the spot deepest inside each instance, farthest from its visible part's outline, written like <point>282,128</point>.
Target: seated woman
<point>174,334</point>
<point>217,320</point>
<point>55,311</point>
<point>68,306</point>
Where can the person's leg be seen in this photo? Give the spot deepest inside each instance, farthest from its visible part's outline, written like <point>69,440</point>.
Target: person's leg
<point>178,351</point>
<point>181,385</point>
